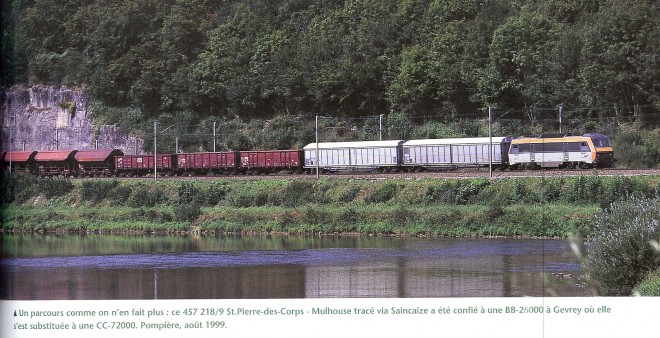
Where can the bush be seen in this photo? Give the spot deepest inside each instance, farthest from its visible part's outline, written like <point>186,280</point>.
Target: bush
<point>403,217</point>
<point>494,211</point>
<point>520,193</point>
<point>248,198</point>
<point>188,193</point>
<point>348,217</point>
<point>343,193</point>
<point>651,149</point>
<point>469,189</point>
<point>216,192</point>
<point>621,254</point>
<point>383,193</point>
<point>314,216</point>
<point>551,189</point>
<point>650,286</point>
<point>626,144</point>
<point>18,188</point>
<point>585,189</point>
<point>187,212</point>
<point>119,195</point>
<point>152,215</point>
<point>54,187</point>
<point>95,191</point>
<point>412,193</point>
<point>297,193</point>
<point>320,188</point>
<point>456,191</point>
<point>500,193</point>
<point>143,196</point>
<point>440,193</point>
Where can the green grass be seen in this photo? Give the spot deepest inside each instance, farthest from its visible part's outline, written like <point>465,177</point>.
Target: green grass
<point>439,220</point>
<point>550,207</point>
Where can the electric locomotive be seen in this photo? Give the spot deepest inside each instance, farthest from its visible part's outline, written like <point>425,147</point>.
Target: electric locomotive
<point>561,151</point>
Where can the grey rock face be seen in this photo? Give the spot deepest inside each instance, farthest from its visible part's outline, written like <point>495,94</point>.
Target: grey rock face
<point>50,118</point>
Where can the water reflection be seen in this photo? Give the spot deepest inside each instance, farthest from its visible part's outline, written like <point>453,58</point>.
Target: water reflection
<point>145,267</point>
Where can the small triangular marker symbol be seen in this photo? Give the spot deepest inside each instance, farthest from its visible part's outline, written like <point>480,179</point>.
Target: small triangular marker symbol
<point>14,313</point>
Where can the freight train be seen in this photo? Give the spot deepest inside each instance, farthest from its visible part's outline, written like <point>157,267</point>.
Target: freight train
<point>524,152</point>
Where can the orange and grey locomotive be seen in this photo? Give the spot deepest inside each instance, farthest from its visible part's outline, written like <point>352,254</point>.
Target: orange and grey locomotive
<point>561,151</point>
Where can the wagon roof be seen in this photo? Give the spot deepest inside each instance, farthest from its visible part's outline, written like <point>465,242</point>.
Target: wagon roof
<point>562,135</point>
<point>271,151</point>
<point>471,140</point>
<point>146,155</point>
<point>358,144</point>
<point>209,152</point>
<point>18,156</point>
<point>54,155</point>
<point>97,155</point>
<point>528,139</point>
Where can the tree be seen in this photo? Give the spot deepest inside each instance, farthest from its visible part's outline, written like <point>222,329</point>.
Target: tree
<point>569,11</point>
<point>263,58</point>
<point>619,56</point>
<point>399,126</point>
<point>52,40</point>
<point>221,74</point>
<point>183,36</point>
<point>521,71</point>
<point>440,78</point>
<point>13,68</point>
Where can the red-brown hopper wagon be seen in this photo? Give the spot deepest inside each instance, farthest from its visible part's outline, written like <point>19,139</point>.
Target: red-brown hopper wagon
<point>56,163</point>
<point>20,161</point>
<point>95,163</point>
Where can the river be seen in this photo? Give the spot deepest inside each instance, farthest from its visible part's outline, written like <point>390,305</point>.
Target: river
<point>72,267</point>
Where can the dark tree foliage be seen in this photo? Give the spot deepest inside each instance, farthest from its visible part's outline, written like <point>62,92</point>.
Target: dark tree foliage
<point>218,59</point>
<point>13,68</point>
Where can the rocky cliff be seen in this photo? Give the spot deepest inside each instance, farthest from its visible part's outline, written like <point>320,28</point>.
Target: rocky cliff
<point>51,118</point>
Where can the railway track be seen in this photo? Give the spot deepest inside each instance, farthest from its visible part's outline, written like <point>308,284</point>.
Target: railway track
<point>480,172</point>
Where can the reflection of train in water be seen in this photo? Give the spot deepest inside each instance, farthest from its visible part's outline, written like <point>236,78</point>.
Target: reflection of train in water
<point>536,151</point>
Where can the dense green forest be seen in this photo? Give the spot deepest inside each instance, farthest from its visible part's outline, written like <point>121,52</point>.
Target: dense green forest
<point>221,60</point>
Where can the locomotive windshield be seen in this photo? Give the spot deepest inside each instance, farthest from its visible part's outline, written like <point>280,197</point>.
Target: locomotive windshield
<point>602,142</point>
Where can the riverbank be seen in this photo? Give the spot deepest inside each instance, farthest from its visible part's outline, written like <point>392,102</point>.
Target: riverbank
<point>380,220</point>
<point>512,207</point>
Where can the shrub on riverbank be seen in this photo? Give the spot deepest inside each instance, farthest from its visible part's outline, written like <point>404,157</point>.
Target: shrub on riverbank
<point>17,188</point>
<point>95,191</point>
<point>96,219</point>
<point>438,220</point>
<point>622,253</point>
<point>147,196</point>
<point>650,286</point>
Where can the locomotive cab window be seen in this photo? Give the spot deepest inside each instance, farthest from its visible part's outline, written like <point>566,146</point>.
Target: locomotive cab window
<point>602,142</point>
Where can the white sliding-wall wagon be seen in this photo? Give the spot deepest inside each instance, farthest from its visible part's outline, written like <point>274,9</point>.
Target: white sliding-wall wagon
<point>334,156</point>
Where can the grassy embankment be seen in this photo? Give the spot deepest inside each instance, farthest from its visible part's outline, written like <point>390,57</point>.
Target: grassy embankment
<point>552,207</point>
